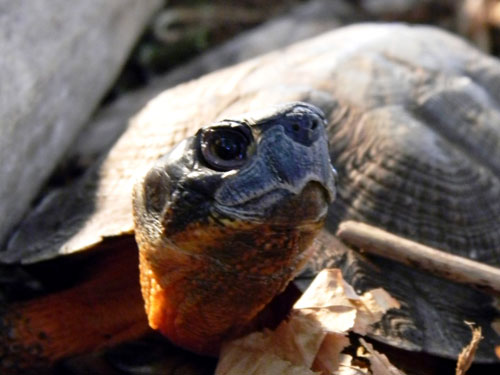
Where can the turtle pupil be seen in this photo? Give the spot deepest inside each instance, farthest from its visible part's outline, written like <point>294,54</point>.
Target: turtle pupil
<point>229,146</point>
<point>225,148</point>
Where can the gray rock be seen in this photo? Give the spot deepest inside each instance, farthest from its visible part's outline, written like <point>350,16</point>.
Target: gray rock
<point>58,59</point>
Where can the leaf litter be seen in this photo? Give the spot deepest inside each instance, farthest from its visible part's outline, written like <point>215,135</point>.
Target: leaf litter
<point>466,357</point>
<point>313,337</point>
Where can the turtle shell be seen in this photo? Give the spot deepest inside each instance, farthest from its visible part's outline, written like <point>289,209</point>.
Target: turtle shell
<point>414,131</point>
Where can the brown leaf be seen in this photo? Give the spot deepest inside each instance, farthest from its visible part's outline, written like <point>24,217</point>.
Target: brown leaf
<point>337,306</point>
<point>467,355</point>
<point>290,349</point>
<point>347,368</point>
<point>379,363</point>
<point>298,340</point>
<point>371,307</point>
<point>327,289</point>
<point>328,358</point>
<point>239,360</point>
<point>313,336</point>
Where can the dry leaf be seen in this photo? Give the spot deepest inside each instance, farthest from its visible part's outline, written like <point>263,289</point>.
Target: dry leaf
<point>371,307</point>
<point>298,340</point>
<point>328,358</point>
<point>313,336</point>
<point>289,349</point>
<point>339,319</point>
<point>327,289</point>
<point>238,360</point>
<point>347,368</point>
<point>467,355</point>
<point>379,363</point>
<point>337,306</point>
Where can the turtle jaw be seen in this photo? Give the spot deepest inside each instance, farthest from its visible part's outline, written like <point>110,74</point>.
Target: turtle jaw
<point>207,282</point>
<point>282,207</point>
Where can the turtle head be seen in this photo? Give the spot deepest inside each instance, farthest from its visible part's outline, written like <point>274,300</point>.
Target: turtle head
<point>225,219</point>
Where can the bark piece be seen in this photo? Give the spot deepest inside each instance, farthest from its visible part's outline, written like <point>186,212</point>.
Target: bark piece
<point>456,268</point>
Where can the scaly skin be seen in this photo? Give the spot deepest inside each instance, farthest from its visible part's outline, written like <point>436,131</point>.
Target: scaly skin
<point>103,310</point>
<point>221,279</point>
<point>217,244</point>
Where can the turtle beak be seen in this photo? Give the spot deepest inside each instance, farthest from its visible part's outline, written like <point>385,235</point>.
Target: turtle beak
<point>296,165</point>
<point>289,156</point>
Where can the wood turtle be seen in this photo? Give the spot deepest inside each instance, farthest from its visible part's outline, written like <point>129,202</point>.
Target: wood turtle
<point>413,127</point>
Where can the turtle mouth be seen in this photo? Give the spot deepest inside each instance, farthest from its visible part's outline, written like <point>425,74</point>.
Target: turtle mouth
<point>282,207</point>
<point>310,205</point>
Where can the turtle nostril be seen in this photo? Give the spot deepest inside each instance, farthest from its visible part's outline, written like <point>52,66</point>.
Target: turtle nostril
<point>314,124</point>
<point>303,128</point>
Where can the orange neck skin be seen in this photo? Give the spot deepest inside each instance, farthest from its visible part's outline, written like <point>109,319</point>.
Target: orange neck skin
<point>103,310</point>
<point>209,285</point>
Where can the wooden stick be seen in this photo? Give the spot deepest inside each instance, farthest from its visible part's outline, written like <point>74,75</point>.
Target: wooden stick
<point>456,268</point>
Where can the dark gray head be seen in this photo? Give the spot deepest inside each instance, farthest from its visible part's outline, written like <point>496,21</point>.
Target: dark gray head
<point>242,168</point>
<point>224,220</point>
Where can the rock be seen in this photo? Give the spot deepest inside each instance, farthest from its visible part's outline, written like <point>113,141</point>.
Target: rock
<point>58,59</point>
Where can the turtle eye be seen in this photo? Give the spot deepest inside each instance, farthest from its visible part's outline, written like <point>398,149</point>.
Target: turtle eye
<point>224,148</point>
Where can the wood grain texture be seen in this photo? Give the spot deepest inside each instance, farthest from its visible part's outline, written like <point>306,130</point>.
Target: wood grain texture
<point>414,133</point>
